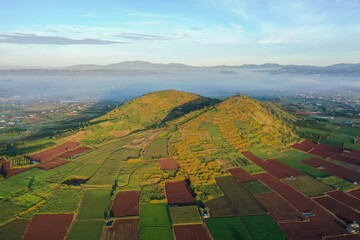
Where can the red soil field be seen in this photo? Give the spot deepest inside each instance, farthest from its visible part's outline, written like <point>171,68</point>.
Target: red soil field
<point>55,162</point>
<point>191,232</point>
<point>321,153</point>
<point>126,203</point>
<point>329,148</point>
<point>323,224</point>
<point>48,226</point>
<point>347,159</point>
<point>277,172</point>
<point>348,215</point>
<point>334,169</point>
<point>241,175</point>
<point>278,208</point>
<point>168,164</point>
<point>53,152</point>
<point>74,152</point>
<point>355,193</point>
<point>13,171</point>
<point>122,230</point>
<point>285,168</point>
<point>178,193</point>
<point>304,146</point>
<point>345,199</point>
<point>352,153</point>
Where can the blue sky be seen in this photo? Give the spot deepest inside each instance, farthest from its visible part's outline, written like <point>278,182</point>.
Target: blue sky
<point>198,32</point>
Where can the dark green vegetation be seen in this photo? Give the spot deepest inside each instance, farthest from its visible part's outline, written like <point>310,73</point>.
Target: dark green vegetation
<point>221,207</point>
<point>256,187</point>
<point>86,229</point>
<point>95,204</point>
<point>13,230</point>
<point>239,196</point>
<point>246,227</point>
<point>155,222</point>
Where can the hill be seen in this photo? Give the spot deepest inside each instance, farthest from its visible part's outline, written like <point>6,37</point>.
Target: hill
<point>148,111</point>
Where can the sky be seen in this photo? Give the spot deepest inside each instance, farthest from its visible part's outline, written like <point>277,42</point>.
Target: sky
<point>196,32</point>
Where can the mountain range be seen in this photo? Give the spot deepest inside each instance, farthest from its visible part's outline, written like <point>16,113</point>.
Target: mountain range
<point>142,67</point>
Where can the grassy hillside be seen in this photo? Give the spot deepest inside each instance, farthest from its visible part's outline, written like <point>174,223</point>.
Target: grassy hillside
<point>149,110</point>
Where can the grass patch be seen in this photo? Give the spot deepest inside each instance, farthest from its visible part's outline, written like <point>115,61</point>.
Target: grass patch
<point>232,228</point>
<point>185,215</point>
<point>256,187</point>
<point>95,204</point>
<point>308,186</point>
<point>154,215</point>
<point>88,229</point>
<point>156,149</point>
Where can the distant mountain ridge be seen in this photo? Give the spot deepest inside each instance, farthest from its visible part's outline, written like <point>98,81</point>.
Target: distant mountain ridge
<point>144,67</point>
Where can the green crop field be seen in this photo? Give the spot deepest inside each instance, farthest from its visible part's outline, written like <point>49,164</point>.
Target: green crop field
<point>86,229</point>
<point>338,183</point>
<point>263,227</point>
<point>293,159</point>
<point>239,196</point>
<point>154,215</point>
<point>156,233</point>
<point>256,187</point>
<point>128,153</point>
<point>13,230</point>
<point>308,186</point>
<point>157,149</point>
<point>221,207</point>
<point>63,200</point>
<point>95,204</point>
<point>232,228</point>
<point>185,215</point>
<point>109,170</point>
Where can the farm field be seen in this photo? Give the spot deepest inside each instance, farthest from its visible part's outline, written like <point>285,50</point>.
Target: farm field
<point>184,215</point>
<point>256,188</point>
<point>156,233</point>
<point>232,228</point>
<point>126,203</point>
<point>191,232</point>
<point>279,208</point>
<point>308,186</point>
<point>239,196</point>
<point>62,200</point>
<point>178,193</point>
<point>86,229</point>
<point>334,169</point>
<point>221,207</point>
<point>293,159</point>
<point>157,149</point>
<point>56,226</point>
<point>269,229</point>
<point>95,204</point>
<point>13,230</point>
<point>122,230</point>
<point>154,215</point>
<point>156,179</point>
